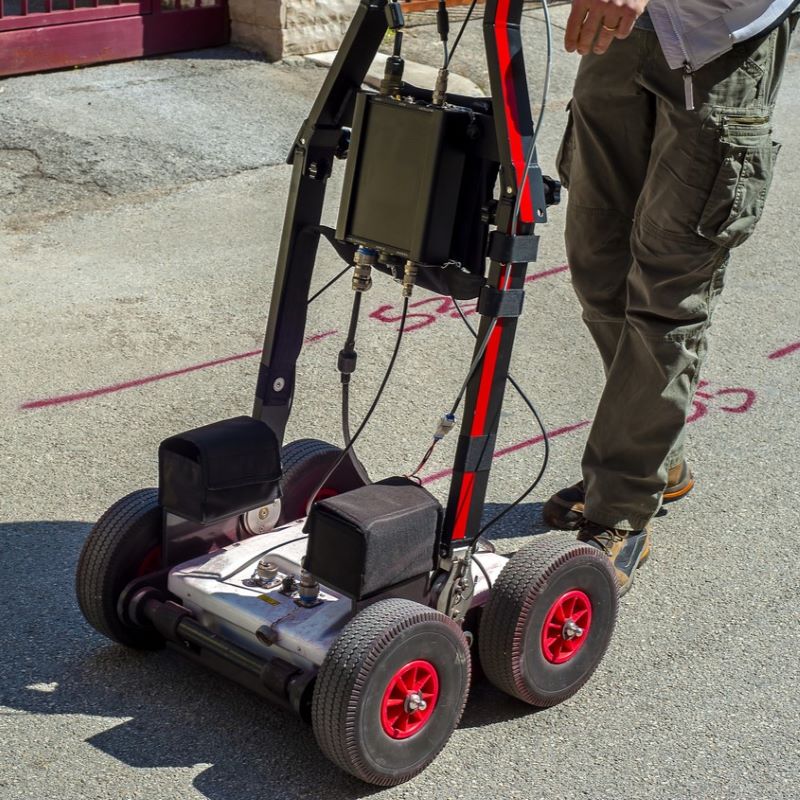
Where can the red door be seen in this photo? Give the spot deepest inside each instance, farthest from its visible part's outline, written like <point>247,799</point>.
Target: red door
<point>37,35</point>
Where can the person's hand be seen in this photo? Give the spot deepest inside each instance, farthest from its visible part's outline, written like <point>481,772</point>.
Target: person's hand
<point>614,19</point>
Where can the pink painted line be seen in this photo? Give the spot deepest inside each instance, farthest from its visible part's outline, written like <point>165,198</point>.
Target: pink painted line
<point>132,384</point>
<point>546,273</point>
<point>785,351</point>
<point>435,476</point>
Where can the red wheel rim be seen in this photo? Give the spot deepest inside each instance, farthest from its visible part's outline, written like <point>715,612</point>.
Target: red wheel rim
<point>151,562</point>
<point>409,699</point>
<point>566,626</point>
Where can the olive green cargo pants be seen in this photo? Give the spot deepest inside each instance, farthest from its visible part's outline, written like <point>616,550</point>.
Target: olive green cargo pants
<point>657,197</point>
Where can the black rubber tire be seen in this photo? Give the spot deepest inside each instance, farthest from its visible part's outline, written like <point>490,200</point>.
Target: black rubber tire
<point>113,552</point>
<point>297,455</point>
<point>373,646</point>
<point>509,637</point>
<point>304,464</point>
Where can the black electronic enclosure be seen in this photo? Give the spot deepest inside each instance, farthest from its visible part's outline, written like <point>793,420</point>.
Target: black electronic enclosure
<point>219,470</point>
<point>439,155</point>
<point>364,541</point>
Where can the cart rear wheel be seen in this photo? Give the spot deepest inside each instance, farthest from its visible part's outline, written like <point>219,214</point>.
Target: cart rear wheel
<point>548,621</point>
<point>304,464</point>
<point>124,544</point>
<point>391,691</point>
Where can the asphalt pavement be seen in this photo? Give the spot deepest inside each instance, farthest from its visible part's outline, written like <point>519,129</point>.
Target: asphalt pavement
<point>141,210</point>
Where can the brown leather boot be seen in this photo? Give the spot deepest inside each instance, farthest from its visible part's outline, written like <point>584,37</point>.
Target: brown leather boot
<point>564,510</point>
<point>627,550</point>
<point>679,482</point>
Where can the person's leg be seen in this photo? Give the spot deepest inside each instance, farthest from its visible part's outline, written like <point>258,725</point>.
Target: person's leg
<point>603,162</point>
<point>707,179</point>
<point>767,70</point>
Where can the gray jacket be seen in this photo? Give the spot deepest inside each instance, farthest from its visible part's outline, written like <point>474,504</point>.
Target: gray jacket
<point>694,32</point>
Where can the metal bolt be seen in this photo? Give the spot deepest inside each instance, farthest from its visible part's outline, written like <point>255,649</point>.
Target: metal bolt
<point>278,384</point>
<point>266,570</point>
<point>302,141</point>
<point>414,702</point>
<point>509,190</point>
<point>265,575</point>
<point>571,630</point>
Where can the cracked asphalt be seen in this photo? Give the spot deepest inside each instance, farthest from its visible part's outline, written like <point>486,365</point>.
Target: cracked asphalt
<point>140,211</point>
<point>77,139</point>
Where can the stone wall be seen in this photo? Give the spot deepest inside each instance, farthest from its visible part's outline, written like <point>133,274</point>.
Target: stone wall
<point>280,28</point>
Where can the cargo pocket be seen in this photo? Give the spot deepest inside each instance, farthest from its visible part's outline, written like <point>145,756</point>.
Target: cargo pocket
<point>740,190</point>
<point>564,157</point>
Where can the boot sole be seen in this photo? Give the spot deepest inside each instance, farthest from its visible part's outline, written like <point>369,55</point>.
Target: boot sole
<point>676,492</point>
<point>629,584</point>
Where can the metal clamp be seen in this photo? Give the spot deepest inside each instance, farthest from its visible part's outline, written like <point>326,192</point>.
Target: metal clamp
<point>456,593</point>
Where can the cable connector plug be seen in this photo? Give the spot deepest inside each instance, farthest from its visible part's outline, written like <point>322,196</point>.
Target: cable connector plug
<point>362,268</point>
<point>440,89</point>
<point>446,424</point>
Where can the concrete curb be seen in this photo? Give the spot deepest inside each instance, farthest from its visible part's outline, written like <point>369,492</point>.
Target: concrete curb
<point>418,74</point>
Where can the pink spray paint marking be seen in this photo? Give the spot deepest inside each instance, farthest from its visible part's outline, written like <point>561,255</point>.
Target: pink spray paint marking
<point>703,405</point>
<point>738,400</point>
<point>785,351</point>
<point>160,376</point>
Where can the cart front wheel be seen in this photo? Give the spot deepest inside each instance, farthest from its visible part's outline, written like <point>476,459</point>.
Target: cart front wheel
<point>391,691</point>
<point>548,621</point>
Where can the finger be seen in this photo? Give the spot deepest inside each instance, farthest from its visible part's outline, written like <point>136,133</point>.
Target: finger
<point>589,31</point>
<point>574,23</point>
<point>626,24</point>
<point>604,37</point>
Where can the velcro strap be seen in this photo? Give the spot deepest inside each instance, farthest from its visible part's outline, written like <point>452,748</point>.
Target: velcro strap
<point>497,303</point>
<point>478,453</point>
<point>507,249</point>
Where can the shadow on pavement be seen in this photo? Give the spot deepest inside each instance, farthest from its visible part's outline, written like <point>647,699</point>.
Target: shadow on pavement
<point>223,53</point>
<point>523,520</point>
<point>172,714</point>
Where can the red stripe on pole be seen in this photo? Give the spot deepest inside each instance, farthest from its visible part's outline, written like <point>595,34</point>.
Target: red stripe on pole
<point>511,110</point>
<point>487,378</point>
<point>136,382</point>
<point>462,509</point>
<point>479,416</point>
